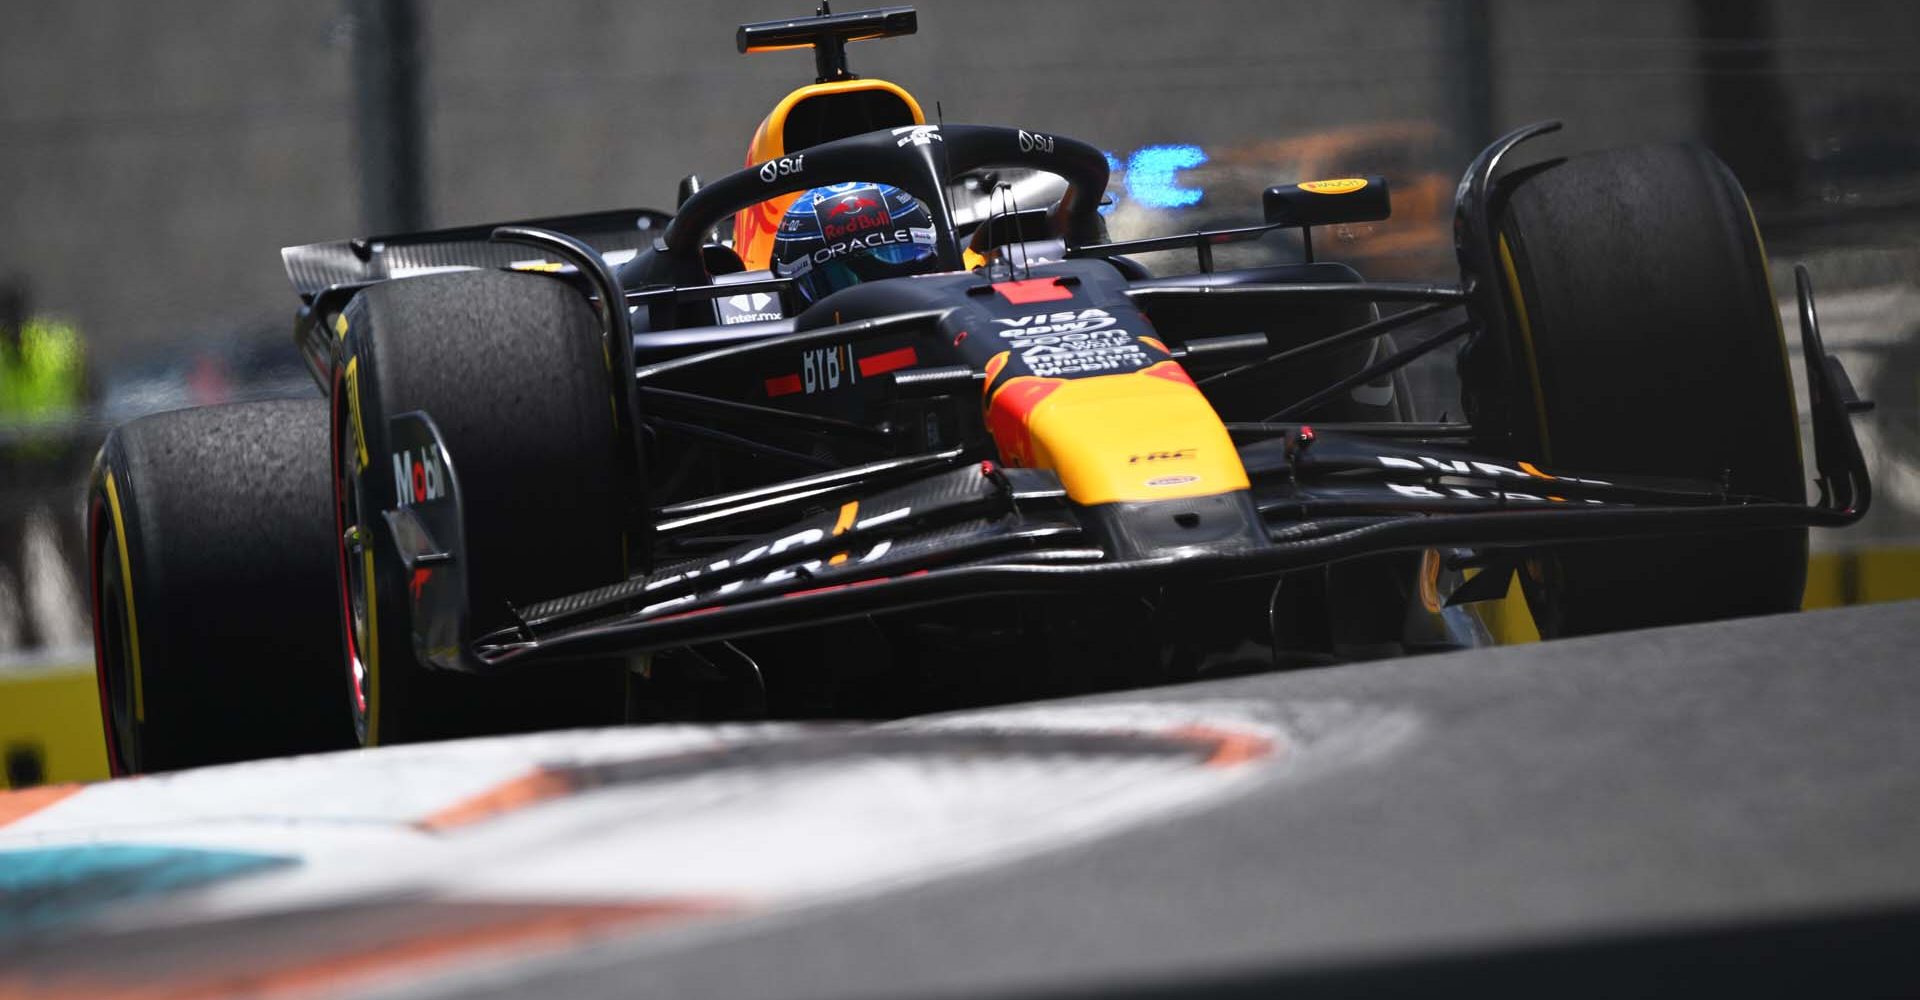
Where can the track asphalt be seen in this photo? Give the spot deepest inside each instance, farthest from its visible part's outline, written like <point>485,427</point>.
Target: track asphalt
<point>1694,810</point>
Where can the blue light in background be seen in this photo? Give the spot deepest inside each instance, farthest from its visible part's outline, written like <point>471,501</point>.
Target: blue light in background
<point>1151,180</point>
<point>1113,167</point>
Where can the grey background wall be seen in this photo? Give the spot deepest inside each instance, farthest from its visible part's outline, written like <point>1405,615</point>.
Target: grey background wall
<point>154,157</point>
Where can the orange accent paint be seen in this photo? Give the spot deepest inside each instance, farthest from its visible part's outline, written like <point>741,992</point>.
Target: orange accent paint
<point>511,796</point>
<point>994,364</point>
<point>16,806</point>
<point>754,227</point>
<point>848,512</point>
<point>491,930</point>
<point>1156,344</point>
<point>1430,581</point>
<point>1527,467</point>
<point>1230,749</point>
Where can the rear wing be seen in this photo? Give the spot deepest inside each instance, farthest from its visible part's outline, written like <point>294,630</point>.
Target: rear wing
<point>316,267</point>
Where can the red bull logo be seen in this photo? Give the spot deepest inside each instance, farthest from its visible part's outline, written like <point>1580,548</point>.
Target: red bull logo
<point>858,211</point>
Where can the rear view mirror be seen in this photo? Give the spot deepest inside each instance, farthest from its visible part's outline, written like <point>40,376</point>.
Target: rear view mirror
<point>1322,203</point>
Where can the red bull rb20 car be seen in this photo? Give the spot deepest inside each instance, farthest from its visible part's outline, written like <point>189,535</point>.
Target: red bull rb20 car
<point>613,467</point>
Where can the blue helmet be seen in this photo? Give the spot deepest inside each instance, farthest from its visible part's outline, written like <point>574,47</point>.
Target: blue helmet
<point>840,235</point>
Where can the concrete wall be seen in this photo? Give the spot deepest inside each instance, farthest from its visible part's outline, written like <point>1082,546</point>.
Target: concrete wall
<point>153,157</point>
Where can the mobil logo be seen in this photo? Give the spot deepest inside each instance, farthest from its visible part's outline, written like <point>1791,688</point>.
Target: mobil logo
<point>419,475</point>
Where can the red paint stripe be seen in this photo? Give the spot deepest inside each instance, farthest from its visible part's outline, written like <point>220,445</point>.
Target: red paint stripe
<point>841,586</point>
<point>1009,411</point>
<point>785,385</point>
<point>1021,293</point>
<point>1171,371</point>
<point>880,364</point>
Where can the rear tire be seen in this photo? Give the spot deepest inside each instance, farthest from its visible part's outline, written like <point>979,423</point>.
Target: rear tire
<point>510,368</point>
<point>211,543</point>
<point>1650,343</point>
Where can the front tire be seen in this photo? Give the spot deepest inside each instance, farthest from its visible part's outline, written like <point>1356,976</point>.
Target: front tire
<point>1649,343</point>
<point>510,368</point>
<point>211,546</point>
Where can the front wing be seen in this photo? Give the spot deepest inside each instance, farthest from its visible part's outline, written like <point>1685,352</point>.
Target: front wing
<point>940,528</point>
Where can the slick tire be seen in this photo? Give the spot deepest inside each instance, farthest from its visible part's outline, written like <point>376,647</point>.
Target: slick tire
<point>211,545</point>
<point>510,368</point>
<point>1649,342</point>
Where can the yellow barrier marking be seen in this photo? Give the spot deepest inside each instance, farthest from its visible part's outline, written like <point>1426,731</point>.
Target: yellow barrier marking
<point>57,712</point>
<point>126,582</point>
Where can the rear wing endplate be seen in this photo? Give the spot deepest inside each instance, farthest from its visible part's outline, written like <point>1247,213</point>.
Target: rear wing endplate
<point>315,267</point>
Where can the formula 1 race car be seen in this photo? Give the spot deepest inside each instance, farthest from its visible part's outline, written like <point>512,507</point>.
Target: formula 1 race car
<point>612,467</point>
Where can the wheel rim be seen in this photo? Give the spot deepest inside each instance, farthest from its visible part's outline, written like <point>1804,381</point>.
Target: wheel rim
<point>353,582</point>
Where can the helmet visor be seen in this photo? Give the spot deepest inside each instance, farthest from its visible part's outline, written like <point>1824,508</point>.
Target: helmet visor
<point>889,261</point>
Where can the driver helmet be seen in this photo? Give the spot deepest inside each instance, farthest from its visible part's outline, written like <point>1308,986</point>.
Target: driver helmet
<point>840,235</point>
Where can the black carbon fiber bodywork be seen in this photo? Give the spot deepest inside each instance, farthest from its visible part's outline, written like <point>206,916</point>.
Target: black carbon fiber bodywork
<point>836,463</point>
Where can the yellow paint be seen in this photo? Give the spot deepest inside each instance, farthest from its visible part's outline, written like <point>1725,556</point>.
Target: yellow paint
<point>1508,619</point>
<point>340,325</point>
<point>1090,430</point>
<point>1343,185</point>
<point>56,713</point>
<point>126,581</point>
<point>352,378</point>
<point>1773,309</point>
<point>1866,576</point>
<point>370,650</point>
<point>1526,340</point>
